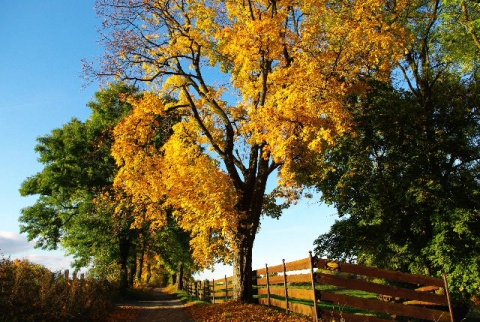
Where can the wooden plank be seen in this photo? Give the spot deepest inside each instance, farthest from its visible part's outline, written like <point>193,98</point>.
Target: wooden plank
<point>263,301</point>
<point>421,303</point>
<point>261,271</point>
<point>299,278</point>
<point>386,307</point>
<point>219,295</point>
<point>273,280</point>
<point>382,273</point>
<point>302,309</point>
<point>262,291</point>
<point>428,288</point>
<point>275,269</point>
<point>276,279</point>
<point>300,293</point>
<point>278,303</point>
<point>262,281</point>
<point>341,316</point>
<point>380,289</point>
<point>279,291</point>
<point>297,265</point>
<point>220,287</point>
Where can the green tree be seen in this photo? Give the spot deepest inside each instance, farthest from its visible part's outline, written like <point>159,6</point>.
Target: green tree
<point>78,171</point>
<point>407,184</point>
<point>172,245</point>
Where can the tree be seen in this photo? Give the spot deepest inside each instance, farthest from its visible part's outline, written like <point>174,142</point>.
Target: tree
<point>73,209</point>
<point>260,89</point>
<point>411,169</point>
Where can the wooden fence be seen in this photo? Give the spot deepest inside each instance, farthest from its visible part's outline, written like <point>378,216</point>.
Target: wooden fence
<point>66,275</point>
<point>214,291</point>
<point>340,291</point>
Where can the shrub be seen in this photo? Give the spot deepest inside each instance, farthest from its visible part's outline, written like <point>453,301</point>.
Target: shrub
<point>30,292</point>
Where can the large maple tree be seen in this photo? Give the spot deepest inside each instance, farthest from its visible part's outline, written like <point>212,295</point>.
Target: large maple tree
<point>259,87</point>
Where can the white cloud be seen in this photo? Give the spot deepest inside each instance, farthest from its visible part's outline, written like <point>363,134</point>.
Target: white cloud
<point>12,243</point>
<point>51,260</point>
<point>16,246</point>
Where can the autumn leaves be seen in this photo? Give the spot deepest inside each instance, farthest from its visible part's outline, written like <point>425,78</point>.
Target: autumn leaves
<point>254,87</point>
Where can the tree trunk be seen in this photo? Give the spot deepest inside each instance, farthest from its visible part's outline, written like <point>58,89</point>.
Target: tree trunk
<point>133,270</point>
<point>140,264</point>
<point>242,271</point>
<point>149,272</point>
<point>124,246</point>
<point>180,277</point>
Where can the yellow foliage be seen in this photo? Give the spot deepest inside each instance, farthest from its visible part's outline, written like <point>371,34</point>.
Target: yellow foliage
<point>291,66</point>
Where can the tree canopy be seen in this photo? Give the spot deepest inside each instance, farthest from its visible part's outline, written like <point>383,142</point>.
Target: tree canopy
<point>79,208</point>
<point>406,182</point>
<point>260,88</point>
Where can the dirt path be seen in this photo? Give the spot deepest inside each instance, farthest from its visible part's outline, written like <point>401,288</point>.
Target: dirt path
<point>164,307</point>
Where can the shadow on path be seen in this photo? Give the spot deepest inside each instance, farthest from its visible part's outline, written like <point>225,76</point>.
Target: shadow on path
<point>164,307</point>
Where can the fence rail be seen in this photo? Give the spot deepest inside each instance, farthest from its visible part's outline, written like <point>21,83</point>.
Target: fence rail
<point>321,288</point>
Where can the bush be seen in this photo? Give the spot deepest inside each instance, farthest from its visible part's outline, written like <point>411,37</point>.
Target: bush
<point>30,292</point>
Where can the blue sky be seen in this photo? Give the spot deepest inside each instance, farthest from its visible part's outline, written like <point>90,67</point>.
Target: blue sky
<point>41,88</point>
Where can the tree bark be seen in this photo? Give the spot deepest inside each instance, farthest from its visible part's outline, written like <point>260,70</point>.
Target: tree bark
<point>180,277</point>
<point>141,260</point>
<point>250,205</point>
<point>124,246</point>
<point>242,270</point>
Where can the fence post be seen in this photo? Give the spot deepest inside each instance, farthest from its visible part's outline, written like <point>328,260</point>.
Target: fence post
<point>313,265</point>
<point>196,289</point>
<point>200,290</point>
<point>67,275</point>
<point>285,284</point>
<point>268,284</point>
<point>208,296</point>
<point>254,285</point>
<point>213,291</point>
<point>226,288</point>
<point>447,292</point>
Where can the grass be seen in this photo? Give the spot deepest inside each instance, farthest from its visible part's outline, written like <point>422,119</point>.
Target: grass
<point>184,296</point>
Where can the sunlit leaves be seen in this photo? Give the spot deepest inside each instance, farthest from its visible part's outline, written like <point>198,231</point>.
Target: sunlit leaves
<point>259,87</point>
<point>177,173</point>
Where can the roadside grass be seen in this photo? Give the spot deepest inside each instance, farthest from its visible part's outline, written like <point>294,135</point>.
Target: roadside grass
<point>331,306</point>
<point>185,297</point>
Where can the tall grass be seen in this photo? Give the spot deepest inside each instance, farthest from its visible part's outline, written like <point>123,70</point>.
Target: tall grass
<point>30,292</point>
